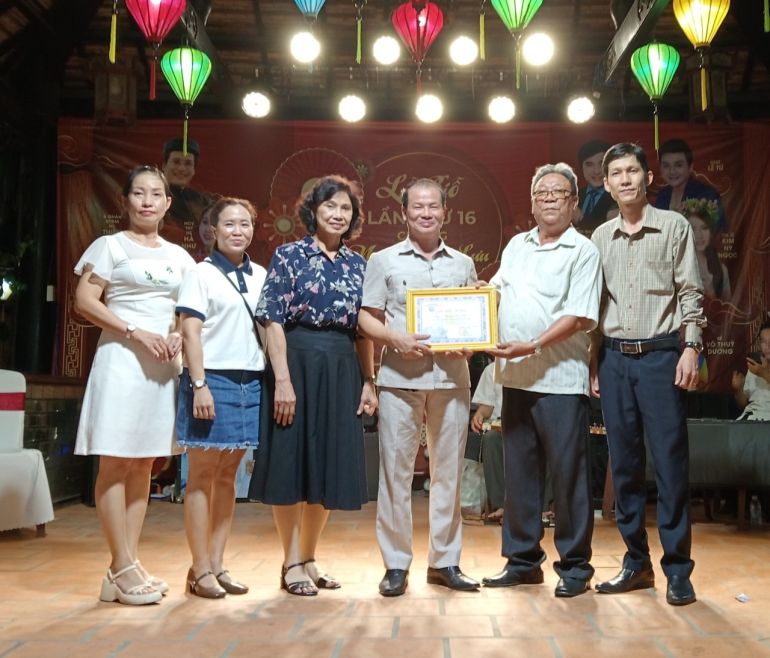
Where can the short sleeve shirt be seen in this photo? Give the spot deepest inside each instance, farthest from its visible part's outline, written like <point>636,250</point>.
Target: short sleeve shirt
<point>539,284</point>
<point>489,392</point>
<point>305,287</point>
<point>389,274</point>
<point>227,334</point>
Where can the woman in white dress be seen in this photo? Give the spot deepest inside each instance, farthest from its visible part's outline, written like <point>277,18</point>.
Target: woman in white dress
<point>128,287</point>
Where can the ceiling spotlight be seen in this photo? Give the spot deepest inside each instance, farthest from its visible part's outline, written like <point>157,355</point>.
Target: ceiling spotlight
<point>352,108</point>
<point>580,109</point>
<point>386,50</point>
<point>501,109</point>
<point>255,104</point>
<point>537,49</point>
<point>463,51</point>
<point>305,48</point>
<point>429,108</point>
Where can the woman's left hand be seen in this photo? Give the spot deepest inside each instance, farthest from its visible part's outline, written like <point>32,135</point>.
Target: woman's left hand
<point>369,402</point>
<point>174,343</point>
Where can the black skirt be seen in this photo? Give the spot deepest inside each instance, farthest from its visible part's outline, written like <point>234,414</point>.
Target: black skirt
<point>319,458</point>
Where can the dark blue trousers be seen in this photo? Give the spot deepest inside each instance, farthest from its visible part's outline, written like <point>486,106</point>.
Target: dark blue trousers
<point>540,429</point>
<point>640,401</point>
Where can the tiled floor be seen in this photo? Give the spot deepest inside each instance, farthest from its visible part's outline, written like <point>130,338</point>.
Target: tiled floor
<point>49,606</point>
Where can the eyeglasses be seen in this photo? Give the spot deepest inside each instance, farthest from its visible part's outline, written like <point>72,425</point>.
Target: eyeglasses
<point>559,195</point>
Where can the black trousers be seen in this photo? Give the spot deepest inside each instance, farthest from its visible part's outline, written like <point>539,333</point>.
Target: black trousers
<point>540,429</point>
<point>640,402</point>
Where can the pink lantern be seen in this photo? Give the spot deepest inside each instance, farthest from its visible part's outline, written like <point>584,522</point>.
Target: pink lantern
<point>418,23</point>
<point>155,19</point>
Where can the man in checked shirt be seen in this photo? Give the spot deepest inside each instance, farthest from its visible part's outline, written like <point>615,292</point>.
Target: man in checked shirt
<point>652,292</point>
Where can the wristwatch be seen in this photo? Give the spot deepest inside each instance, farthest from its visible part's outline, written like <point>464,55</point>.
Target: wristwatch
<point>130,329</point>
<point>538,347</point>
<point>198,384</point>
<point>698,347</point>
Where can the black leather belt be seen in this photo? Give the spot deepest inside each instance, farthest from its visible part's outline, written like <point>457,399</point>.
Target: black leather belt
<point>641,346</point>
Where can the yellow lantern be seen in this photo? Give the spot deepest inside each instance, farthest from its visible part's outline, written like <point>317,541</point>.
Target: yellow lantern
<point>700,20</point>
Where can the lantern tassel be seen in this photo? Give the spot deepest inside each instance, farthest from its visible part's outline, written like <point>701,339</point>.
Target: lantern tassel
<point>152,78</point>
<point>359,24</point>
<point>113,31</point>
<point>657,128</point>
<point>419,81</point>
<point>703,90</point>
<point>767,16</point>
<point>518,61</point>
<point>482,47</point>
<point>184,130</point>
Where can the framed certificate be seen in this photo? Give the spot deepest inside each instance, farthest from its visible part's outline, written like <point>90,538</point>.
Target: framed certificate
<point>454,318</point>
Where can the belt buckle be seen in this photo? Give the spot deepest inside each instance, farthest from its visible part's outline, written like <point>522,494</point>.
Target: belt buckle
<point>631,347</point>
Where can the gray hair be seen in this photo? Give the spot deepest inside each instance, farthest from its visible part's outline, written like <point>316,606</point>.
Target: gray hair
<point>561,168</point>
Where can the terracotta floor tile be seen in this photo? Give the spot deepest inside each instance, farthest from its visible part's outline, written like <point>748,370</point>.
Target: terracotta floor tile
<point>500,648</point>
<point>397,648</point>
<point>445,626</point>
<point>605,647</point>
<point>716,647</point>
<point>344,627</point>
<point>323,648</point>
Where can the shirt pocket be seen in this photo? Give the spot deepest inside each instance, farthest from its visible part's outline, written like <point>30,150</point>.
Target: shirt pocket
<point>659,277</point>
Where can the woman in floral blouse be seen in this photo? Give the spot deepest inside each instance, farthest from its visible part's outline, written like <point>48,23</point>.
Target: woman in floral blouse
<point>311,455</point>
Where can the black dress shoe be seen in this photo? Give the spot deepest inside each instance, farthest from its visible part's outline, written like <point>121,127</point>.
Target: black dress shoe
<point>568,587</point>
<point>628,580</point>
<point>679,591</point>
<point>510,577</point>
<point>394,582</point>
<point>452,578</point>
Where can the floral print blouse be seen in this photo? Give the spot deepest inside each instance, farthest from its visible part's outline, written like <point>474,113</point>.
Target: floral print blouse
<point>304,287</point>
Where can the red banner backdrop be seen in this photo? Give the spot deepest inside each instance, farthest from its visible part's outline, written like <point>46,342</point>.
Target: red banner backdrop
<point>486,171</point>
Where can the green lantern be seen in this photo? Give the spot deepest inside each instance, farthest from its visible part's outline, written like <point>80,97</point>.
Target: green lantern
<point>654,66</point>
<point>186,70</point>
<point>516,15</point>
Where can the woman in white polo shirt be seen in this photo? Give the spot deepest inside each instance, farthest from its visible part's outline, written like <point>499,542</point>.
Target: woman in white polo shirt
<point>219,394</point>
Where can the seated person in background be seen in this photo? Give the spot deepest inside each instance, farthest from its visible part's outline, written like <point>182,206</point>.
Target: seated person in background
<point>752,390</point>
<point>489,398</point>
<point>595,205</point>
<point>675,157</point>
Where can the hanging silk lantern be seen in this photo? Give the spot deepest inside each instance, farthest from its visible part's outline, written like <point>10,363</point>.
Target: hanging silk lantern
<point>516,15</point>
<point>186,70</point>
<point>700,20</point>
<point>155,19</point>
<point>359,27</point>
<point>309,8</point>
<point>418,24</point>
<point>654,66</point>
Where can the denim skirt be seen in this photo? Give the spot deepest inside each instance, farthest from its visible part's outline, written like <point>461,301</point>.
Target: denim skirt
<point>235,424</point>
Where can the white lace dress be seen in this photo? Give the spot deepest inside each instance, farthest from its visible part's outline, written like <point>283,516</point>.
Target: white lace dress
<point>129,403</point>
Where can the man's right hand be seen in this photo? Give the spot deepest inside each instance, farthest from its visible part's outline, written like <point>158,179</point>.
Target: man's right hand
<point>409,346</point>
<point>593,378</point>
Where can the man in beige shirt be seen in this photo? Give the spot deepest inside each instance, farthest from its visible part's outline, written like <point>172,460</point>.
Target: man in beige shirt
<point>652,291</point>
<point>415,384</point>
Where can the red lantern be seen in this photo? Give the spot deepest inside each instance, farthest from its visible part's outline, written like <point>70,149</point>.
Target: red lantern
<point>155,19</point>
<point>418,23</point>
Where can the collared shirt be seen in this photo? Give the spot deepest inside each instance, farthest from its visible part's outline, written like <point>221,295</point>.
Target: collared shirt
<point>227,334</point>
<point>652,284</point>
<point>539,284</point>
<point>388,275</point>
<point>489,392</point>
<point>592,196</point>
<point>305,287</point>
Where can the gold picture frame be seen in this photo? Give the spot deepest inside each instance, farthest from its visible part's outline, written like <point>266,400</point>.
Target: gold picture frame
<point>455,318</point>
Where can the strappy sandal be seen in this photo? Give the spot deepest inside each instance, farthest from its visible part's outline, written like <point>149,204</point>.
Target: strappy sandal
<point>152,581</point>
<point>301,587</point>
<point>230,586</point>
<point>205,592</point>
<point>324,580</point>
<point>137,595</point>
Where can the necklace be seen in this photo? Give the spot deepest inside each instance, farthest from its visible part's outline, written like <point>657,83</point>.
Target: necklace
<point>143,239</point>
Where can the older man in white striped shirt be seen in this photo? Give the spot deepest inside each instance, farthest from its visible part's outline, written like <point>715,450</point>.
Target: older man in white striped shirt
<point>549,282</point>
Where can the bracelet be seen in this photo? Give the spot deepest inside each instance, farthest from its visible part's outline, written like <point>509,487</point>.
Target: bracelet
<point>370,379</point>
